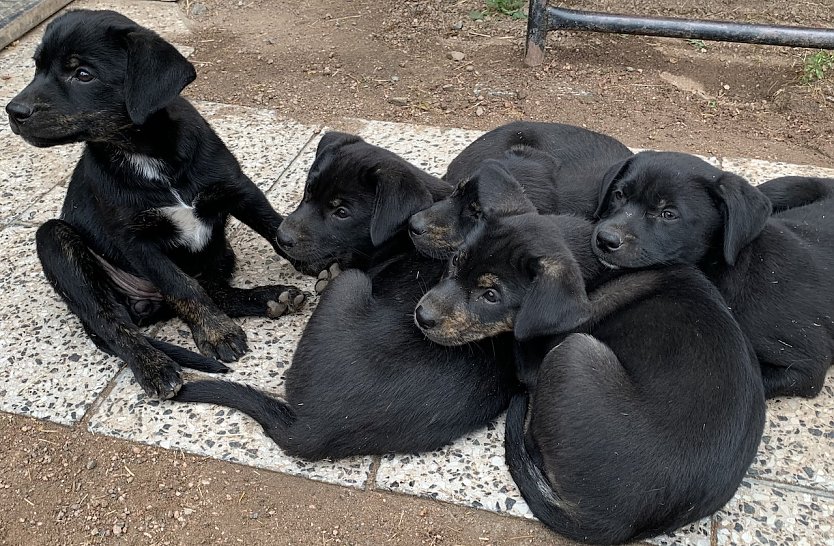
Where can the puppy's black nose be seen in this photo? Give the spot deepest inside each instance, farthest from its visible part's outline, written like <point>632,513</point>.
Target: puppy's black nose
<point>417,225</point>
<point>19,111</point>
<point>285,240</point>
<point>423,318</point>
<point>608,241</point>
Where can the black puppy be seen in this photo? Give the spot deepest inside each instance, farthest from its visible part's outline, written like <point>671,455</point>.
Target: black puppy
<point>356,200</point>
<point>787,192</point>
<point>648,410</point>
<point>142,229</point>
<point>364,380</point>
<point>560,168</point>
<point>774,271</point>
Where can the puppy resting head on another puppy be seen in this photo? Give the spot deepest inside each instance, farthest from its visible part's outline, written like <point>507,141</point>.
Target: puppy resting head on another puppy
<point>661,208</point>
<point>516,274</point>
<point>492,191</point>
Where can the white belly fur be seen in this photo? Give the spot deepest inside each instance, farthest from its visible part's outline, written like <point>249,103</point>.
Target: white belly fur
<point>193,232</point>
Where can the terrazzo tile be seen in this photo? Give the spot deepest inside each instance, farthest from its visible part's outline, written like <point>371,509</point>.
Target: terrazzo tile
<point>696,534</point>
<point>758,171</point>
<point>429,148</point>
<point>48,367</point>
<point>27,173</point>
<point>769,514</point>
<point>798,441</point>
<point>286,193</point>
<point>263,144</point>
<point>471,471</point>
<point>220,432</point>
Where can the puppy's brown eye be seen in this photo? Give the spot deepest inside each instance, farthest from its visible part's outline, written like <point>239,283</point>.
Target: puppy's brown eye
<point>618,195</point>
<point>83,75</point>
<point>341,213</point>
<point>491,296</point>
<point>669,214</point>
<point>455,260</point>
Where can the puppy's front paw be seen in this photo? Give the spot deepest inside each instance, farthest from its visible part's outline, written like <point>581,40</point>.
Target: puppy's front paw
<point>290,300</point>
<point>221,338</point>
<point>158,375</point>
<point>326,276</point>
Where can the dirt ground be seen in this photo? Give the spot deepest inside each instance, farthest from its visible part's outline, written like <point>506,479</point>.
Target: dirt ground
<point>323,60</point>
<point>67,486</point>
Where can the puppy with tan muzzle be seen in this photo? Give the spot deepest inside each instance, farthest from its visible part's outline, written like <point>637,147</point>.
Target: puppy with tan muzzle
<point>633,424</point>
<point>559,168</point>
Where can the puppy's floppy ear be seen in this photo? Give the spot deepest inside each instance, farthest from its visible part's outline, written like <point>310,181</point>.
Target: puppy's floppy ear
<point>613,174</point>
<point>557,302</point>
<point>745,211</point>
<point>399,194</point>
<point>499,193</point>
<point>156,73</point>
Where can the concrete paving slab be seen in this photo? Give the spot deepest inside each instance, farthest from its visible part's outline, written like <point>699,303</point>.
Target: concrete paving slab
<point>218,432</point>
<point>798,443</point>
<point>775,515</point>
<point>758,171</point>
<point>28,173</point>
<point>429,148</point>
<point>48,367</point>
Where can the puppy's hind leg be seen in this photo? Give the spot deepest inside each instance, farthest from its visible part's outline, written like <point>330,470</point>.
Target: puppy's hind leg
<point>81,281</point>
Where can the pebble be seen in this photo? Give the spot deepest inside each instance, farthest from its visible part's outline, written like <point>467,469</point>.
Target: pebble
<point>198,9</point>
<point>398,101</point>
<point>470,68</point>
<point>446,86</point>
<point>726,87</point>
<point>91,464</point>
<point>456,55</point>
<point>479,111</point>
<point>458,25</point>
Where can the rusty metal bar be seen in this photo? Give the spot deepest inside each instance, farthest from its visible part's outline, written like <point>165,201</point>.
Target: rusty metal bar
<point>542,19</point>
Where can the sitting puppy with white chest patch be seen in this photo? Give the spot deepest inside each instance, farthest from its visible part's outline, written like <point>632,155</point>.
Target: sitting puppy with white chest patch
<point>142,230</point>
<point>648,408</point>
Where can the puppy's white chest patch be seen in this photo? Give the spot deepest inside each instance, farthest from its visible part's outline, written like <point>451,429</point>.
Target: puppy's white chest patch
<point>193,232</point>
<point>147,167</point>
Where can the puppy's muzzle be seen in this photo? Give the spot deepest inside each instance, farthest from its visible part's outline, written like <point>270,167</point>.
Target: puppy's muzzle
<point>417,225</point>
<point>18,113</point>
<point>425,319</point>
<point>608,240</point>
<point>285,239</point>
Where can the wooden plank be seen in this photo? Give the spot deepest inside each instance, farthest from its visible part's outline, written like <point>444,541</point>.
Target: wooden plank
<point>17,17</point>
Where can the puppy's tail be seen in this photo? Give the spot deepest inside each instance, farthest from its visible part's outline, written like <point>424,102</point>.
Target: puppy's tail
<point>273,414</point>
<point>524,462</point>
<point>188,359</point>
<point>788,192</point>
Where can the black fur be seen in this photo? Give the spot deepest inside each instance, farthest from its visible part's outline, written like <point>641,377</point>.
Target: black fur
<point>364,380</point>
<point>357,198</point>
<point>647,411</point>
<point>558,167</point>
<point>141,234</point>
<point>787,192</point>
<point>774,271</point>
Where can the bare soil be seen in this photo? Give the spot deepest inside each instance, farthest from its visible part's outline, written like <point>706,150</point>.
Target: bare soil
<point>63,485</point>
<point>324,60</point>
